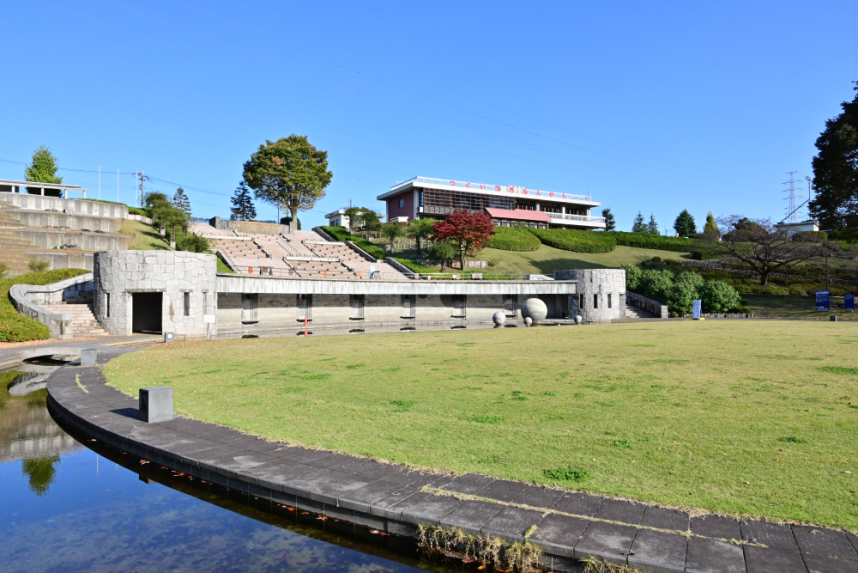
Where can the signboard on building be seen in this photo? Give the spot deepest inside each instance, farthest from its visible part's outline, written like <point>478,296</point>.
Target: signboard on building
<point>849,302</point>
<point>823,300</point>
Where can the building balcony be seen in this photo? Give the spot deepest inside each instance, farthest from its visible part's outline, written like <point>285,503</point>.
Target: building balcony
<point>577,220</point>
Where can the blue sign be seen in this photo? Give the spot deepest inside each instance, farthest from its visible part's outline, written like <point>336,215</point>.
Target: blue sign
<point>823,300</point>
<point>849,302</point>
<point>695,312</point>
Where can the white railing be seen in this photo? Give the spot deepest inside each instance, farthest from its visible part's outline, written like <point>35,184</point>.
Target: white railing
<point>500,189</point>
<point>290,250</point>
<point>570,217</point>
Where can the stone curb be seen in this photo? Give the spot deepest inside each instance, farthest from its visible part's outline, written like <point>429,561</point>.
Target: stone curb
<point>568,526</point>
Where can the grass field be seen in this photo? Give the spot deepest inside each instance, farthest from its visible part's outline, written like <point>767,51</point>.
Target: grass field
<point>546,260</point>
<point>797,307</point>
<point>146,237</point>
<point>735,417</point>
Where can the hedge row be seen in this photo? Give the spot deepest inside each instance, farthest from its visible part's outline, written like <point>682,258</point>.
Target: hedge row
<point>648,241</point>
<point>576,241</point>
<point>514,239</point>
<point>342,234</point>
<point>14,326</point>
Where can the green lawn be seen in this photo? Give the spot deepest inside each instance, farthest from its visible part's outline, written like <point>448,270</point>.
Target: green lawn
<point>546,260</point>
<point>146,237</point>
<point>735,417</point>
<point>797,307</point>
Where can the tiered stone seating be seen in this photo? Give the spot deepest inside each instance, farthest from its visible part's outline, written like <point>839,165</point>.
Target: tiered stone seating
<point>322,269</point>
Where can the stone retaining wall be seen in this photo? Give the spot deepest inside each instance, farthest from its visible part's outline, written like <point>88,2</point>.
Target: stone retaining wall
<point>28,299</point>
<point>69,206</point>
<point>47,219</point>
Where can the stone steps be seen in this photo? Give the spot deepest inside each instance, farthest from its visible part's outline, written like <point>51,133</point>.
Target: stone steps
<point>84,324</point>
<point>635,312</point>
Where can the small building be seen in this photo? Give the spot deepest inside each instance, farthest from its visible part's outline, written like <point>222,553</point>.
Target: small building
<point>435,198</point>
<point>793,228</point>
<point>338,218</point>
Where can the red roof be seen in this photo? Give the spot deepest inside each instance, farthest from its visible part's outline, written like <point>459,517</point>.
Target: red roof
<point>518,214</point>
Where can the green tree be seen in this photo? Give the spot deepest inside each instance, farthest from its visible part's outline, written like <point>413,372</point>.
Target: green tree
<point>639,226</point>
<point>43,168</point>
<point>610,224</point>
<point>717,296</point>
<point>420,230</point>
<point>174,218</point>
<point>182,202</point>
<point>652,226</point>
<point>443,251</point>
<point>242,204</point>
<point>711,227</point>
<point>289,173</point>
<point>157,205</point>
<point>684,224</point>
<point>835,171</point>
<point>363,218</point>
<point>392,231</point>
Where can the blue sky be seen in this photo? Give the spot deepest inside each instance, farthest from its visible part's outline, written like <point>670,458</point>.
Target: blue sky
<point>656,107</point>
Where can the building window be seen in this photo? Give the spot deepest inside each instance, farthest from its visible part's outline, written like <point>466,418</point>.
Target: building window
<point>595,301</point>
<point>441,202</point>
<point>187,297</point>
<point>609,300</point>
<point>356,306</point>
<point>205,303</point>
<point>581,301</point>
<point>510,305</point>
<point>107,304</point>
<point>402,203</point>
<point>409,305</point>
<point>305,306</point>
<point>459,306</point>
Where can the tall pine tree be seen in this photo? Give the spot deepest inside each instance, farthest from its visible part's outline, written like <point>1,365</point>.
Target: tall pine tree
<point>652,226</point>
<point>835,171</point>
<point>684,224</point>
<point>43,169</point>
<point>610,224</point>
<point>181,201</point>
<point>639,226</point>
<point>711,227</point>
<point>242,204</point>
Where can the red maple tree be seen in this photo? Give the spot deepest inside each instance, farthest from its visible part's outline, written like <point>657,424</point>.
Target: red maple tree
<point>467,232</point>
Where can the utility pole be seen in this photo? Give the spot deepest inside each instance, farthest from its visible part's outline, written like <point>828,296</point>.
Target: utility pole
<point>143,179</point>
<point>99,182</point>
<point>117,185</point>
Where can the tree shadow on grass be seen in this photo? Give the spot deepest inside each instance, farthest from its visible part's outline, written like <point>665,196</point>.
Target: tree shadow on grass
<point>548,266</point>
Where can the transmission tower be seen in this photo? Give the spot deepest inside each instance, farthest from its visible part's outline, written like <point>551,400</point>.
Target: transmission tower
<point>790,198</point>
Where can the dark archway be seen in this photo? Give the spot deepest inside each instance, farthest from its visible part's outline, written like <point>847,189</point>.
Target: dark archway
<point>146,312</point>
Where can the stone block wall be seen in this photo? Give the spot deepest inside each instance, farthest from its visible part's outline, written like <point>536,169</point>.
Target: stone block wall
<point>119,274</point>
<point>601,293</point>
<point>70,206</point>
<point>72,222</point>
<point>48,239</point>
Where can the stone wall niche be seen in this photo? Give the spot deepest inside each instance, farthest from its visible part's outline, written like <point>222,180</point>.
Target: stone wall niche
<point>183,285</point>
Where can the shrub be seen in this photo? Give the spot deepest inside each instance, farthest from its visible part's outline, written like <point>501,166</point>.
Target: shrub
<point>514,239</point>
<point>341,234</point>
<point>576,241</point>
<point>717,296</point>
<point>810,236</point>
<point>39,266</point>
<point>566,474</point>
<point>15,327</point>
<point>798,291</point>
<point>194,243</point>
<point>656,284</point>
<point>680,297</point>
<point>649,241</point>
<point>633,277</point>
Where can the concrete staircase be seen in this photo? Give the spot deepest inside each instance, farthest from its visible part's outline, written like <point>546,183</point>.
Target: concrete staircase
<point>635,312</point>
<point>84,324</point>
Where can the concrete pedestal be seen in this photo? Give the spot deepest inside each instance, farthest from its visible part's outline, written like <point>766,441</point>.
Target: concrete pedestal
<point>88,357</point>
<point>156,404</point>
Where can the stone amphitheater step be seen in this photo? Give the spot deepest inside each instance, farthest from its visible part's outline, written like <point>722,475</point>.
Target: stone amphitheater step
<point>84,324</point>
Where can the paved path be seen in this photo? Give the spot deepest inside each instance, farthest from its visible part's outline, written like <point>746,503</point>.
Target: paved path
<point>568,526</point>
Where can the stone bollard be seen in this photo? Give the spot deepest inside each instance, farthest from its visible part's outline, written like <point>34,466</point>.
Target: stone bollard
<point>833,318</point>
<point>88,357</point>
<point>168,337</point>
<point>156,404</point>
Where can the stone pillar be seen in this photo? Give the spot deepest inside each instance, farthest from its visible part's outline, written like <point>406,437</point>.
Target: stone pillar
<point>563,209</point>
<point>43,191</point>
<point>537,205</point>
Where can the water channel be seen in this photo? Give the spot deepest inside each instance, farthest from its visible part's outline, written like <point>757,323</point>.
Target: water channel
<point>70,504</point>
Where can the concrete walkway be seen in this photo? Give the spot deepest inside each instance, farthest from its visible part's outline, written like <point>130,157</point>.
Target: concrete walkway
<point>568,526</point>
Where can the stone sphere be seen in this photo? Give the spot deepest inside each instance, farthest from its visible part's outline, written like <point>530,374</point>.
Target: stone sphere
<point>528,321</point>
<point>579,319</point>
<point>535,309</point>
<point>499,318</point>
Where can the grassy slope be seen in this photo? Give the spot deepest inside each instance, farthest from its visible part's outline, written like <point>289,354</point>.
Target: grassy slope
<point>680,413</point>
<point>548,259</point>
<point>146,237</point>
<point>797,307</point>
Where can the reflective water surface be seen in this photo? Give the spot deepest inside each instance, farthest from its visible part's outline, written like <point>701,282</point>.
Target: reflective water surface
<point>65,507</point>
